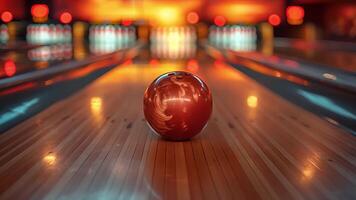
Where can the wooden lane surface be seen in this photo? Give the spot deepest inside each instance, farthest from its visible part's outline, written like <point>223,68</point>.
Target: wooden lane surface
<point>96,145</point>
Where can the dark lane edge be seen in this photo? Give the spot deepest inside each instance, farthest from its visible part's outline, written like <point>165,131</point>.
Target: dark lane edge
<point>309,98</point>
<point>22,105</point>
<point>59,68</point>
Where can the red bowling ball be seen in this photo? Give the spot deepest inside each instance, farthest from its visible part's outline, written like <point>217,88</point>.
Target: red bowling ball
<point>177,105</point>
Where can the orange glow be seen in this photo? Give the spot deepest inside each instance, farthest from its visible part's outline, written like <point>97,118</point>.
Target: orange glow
<point>192,66</point>
<point>168,16</point>
<point>247,11</point>
<point>193,18</point>
<point>224,71</point>
<point>65,18</point>
<point>219,21</point>
<point>219,64</point>
<point>295,15</point>
<point>10,68</point>
<point>308,173</point>
<point>274,20</point>
<point>6,16</point>
<point>159,13</point>
<point>82,71</point>
<point>87,70</point>
<point>127,62</point>
<point>154,62</point>
<point>39,10</point>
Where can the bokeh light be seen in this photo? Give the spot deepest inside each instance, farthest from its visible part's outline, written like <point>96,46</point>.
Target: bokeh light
<point>9,68</point>
<point>192,17</point>
<point>39,10</point>
<point>295,15</point>
<point>126,22</point>
<point>6,16</point>
<point>65,18</point>
<point>219,20</point>
<point>274,20</point>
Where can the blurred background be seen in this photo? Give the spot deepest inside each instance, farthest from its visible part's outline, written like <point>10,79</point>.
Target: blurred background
<point>109,25</point>
<point>58,30</point>
<point>61,20</point>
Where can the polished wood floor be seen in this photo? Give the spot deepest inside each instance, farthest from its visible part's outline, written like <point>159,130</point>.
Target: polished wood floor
<point>96,145</point>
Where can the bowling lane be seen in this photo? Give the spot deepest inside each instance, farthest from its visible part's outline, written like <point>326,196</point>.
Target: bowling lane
<point>96,144</point>
<point>294,69</point>
<point>332,54</point>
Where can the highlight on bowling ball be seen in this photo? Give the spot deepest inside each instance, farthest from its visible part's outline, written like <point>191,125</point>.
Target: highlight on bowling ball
<point>177,105</point>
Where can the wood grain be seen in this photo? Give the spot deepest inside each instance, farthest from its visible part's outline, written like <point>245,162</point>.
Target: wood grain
<point>97,145</point>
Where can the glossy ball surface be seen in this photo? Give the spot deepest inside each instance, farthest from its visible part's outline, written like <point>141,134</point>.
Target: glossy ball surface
<point>177,105</point>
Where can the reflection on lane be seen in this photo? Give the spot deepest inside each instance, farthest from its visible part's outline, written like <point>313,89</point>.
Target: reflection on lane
<point>334,105</point>
<point>311,166</point>
<point>316,53</point>
<point>252,101</point>
<point>326,103</point>
<point>17,110</point>
<point>35,59</point>
<point>50,159</point>
<point>51,53</point>
<point>96,104</point>
<point>27,99</point>
<point>57,47</point>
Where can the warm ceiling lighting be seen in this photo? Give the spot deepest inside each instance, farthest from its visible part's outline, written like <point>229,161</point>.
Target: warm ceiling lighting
<point>39,10</point>
<point>167,16</point>
<point>219,21</point>
<point>246,11</point>
<point>6,16</point>
<point>65,18</point>
<point>295,15</point>
<point>192,17</point>
<point>274,20</point>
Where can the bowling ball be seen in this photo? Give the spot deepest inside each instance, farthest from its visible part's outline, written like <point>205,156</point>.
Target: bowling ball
<point>177,105</point>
